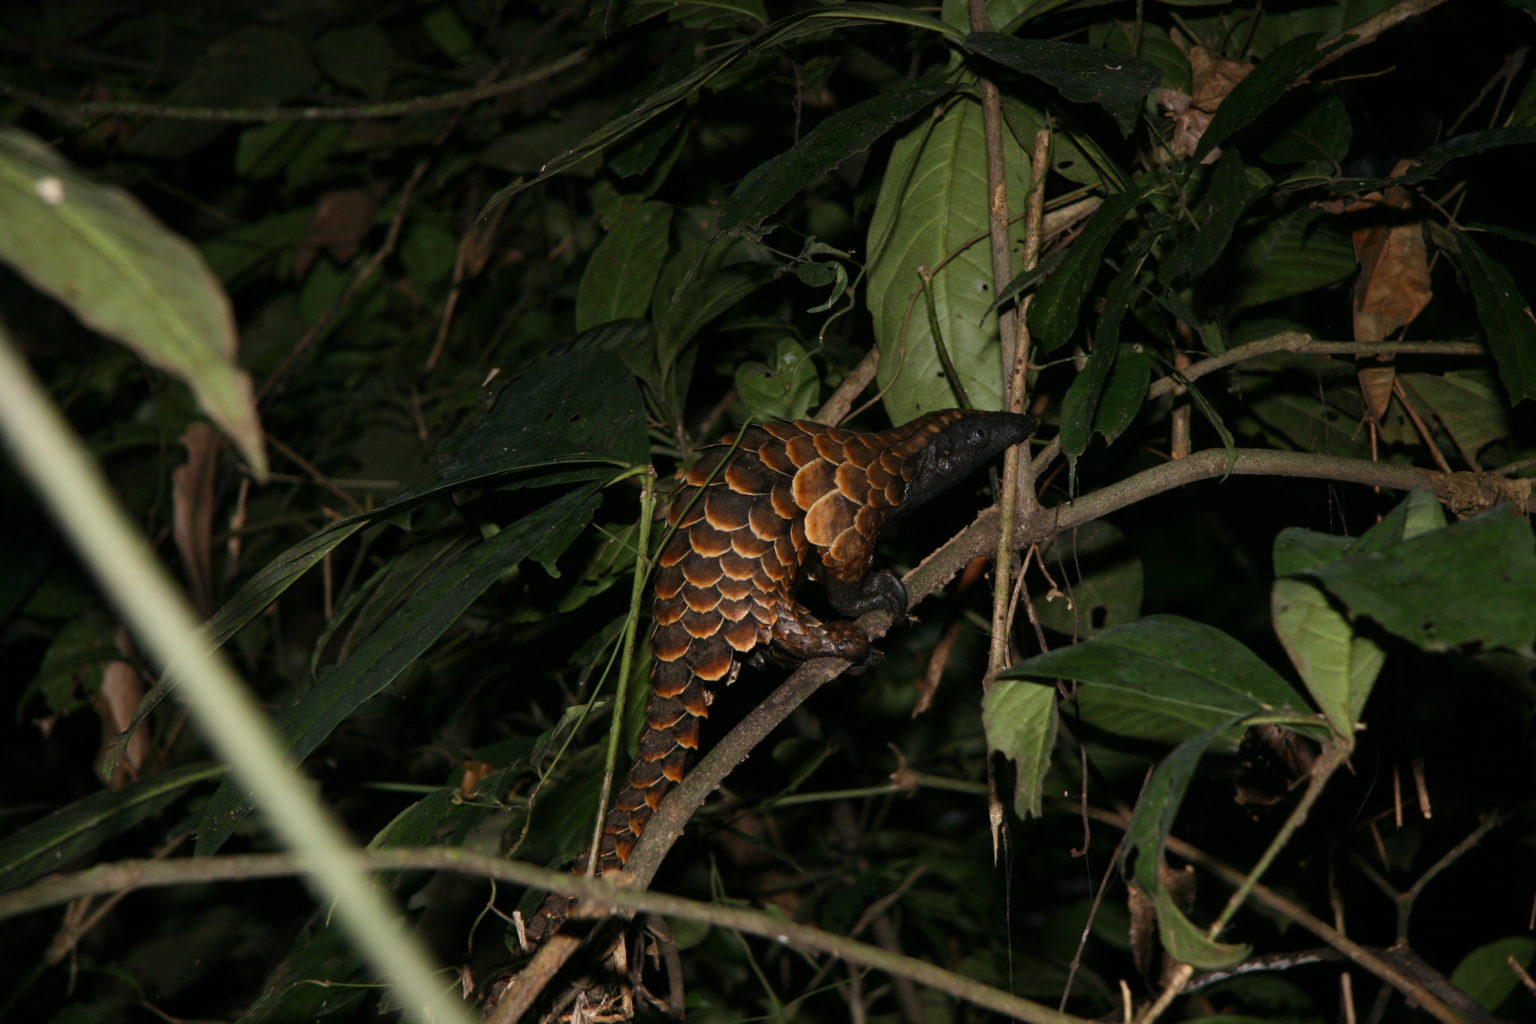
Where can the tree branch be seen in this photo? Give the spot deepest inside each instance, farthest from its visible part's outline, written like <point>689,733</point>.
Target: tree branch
<point>139,874</point>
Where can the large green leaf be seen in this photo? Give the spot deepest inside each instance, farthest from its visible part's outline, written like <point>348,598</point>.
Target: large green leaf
<point>1163,678</point>
<point>1505,315</point>
<point>78,828</point>
<point>1084,74</point>
<point>1053,314</point>
<point>99,252</point>
<point>1338,666</point>
<point>932,208</point>
<point>396,644</point>
<point>1471,582</point>
<point>1291,255</point>
<point>770,185</point>
<point>1151,822</point>
<point>622,271</point>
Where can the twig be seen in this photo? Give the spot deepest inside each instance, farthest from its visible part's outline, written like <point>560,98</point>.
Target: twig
<point>1356,953</point>
<point>138,874</point>
<point>81,113</point>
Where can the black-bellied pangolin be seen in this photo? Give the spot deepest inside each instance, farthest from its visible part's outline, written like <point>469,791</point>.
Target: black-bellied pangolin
<point>755,517</point>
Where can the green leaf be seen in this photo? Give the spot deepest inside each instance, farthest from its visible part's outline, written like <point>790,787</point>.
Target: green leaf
<point>931,208</point>
<point>576,406</point>
<point>1320,134</point>
<point>1467,403</point>
<point>1338,667</point>
<point>1020,720</point>
<point>1124,392</point>
<point>622,272</point>
<point>99,252</point>
<point>1188,943</point>
<point>1233,188</point>
<point>1084,74</point>
<point>1472,582</point>
<point>785,389</point>
<point>1264,86</point>
<point>1504,314</point>
<point>76,829</point>
<point>1081,405</point>
<point>770,185</point>
<point>358,56</point>
<point>258,66</point>
<point>1291,255</point>
<point>1485,974</point>
<point>1151,822</point>
<point>1100,576</point>
<point>1053,313</point>
<point>1298,550</point>
<point>1420,512</point>
<point>1163,678</point>
<point>381,658</point>
<point>828,19</point>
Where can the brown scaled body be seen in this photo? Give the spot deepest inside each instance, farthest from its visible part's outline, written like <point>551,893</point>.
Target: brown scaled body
<point>754,518</point>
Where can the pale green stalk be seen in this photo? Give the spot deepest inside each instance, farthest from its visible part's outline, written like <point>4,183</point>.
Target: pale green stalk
<point>73,487</point>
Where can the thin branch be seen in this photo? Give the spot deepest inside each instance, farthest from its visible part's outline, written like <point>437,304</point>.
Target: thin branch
<point>79,114</point>
<point>1356,953</point>
<point>1303,344</point>
<point>598,892</point>
<point>1212,463</point>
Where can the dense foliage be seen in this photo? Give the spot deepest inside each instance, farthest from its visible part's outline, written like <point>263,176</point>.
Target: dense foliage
<point>461,284</point>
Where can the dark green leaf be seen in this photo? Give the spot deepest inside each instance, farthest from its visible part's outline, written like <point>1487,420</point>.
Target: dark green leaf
<point>1504,314</point>
<point>1163,678</point>
<point>1291,255</point>
<point>384,655</point>
<point>1053,313</point>
<point>1084,74</point>
<point>622,271</point>
<point>770,185</point>
<point>1081,405</point>
<point>50,843</point>
<point>1124,392</point>
<point>1320,134</point>
<point>1472,582</point>
<point>1233,188</point>
<point>358,56</point>
<point>1020,721</point>
<point>1263,88</point>
<point>1485,973</point>
<point>1152,821</point>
